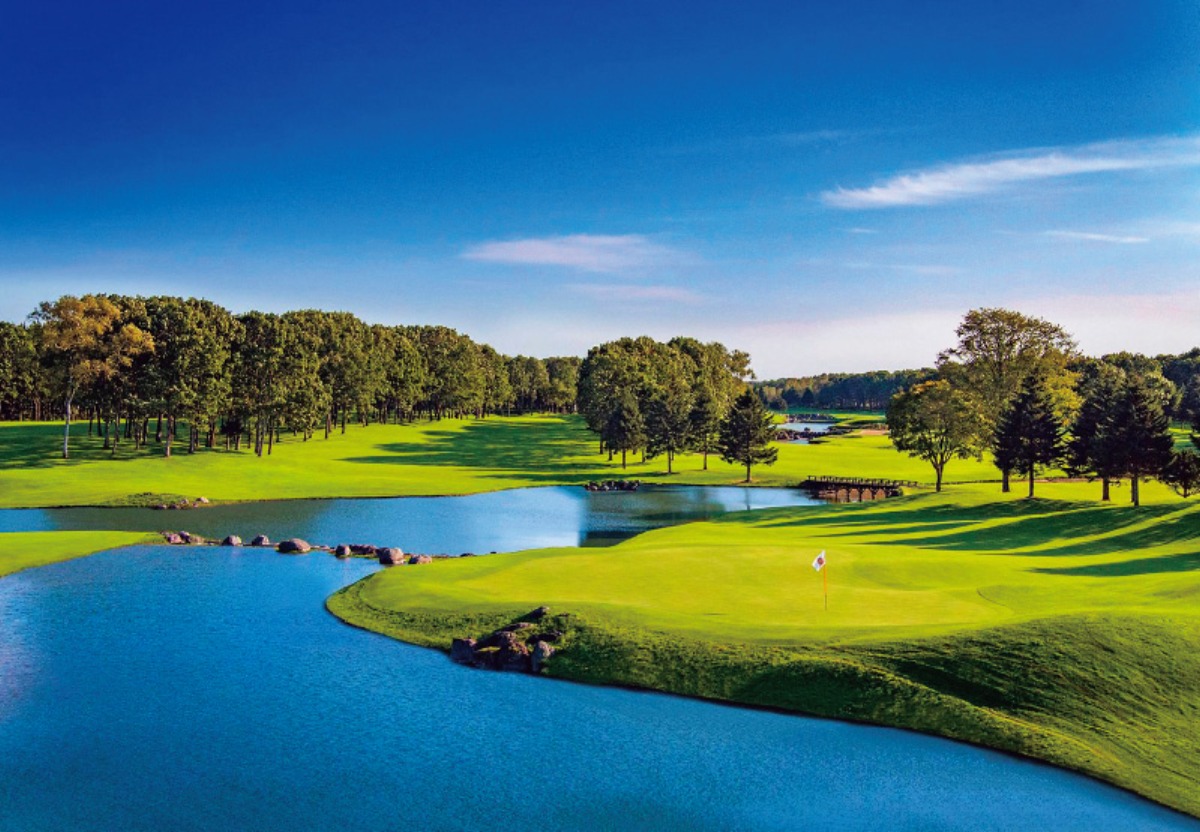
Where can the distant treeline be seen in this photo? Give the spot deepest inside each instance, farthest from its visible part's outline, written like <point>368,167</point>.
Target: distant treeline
<point>138,367</point>
<point>839,391</point>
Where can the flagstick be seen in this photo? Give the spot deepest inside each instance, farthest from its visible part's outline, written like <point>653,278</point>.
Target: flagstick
<point>825,583</point>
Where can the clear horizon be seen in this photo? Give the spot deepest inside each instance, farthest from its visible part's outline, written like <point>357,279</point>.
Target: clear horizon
<point>830,189</point>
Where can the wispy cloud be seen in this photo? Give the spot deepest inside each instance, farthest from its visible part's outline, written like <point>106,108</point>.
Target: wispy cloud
<point>962,180</point>
<point>860,230</point>
<point>585,252</point>
<point>1089,236</point>
<point>626,292</point>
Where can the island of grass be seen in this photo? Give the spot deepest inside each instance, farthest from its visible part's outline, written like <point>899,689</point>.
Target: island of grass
<point>1056,628</point>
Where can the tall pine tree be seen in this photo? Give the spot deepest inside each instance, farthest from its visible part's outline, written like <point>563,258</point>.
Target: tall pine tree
<point>1029,434</point>
<point>746,434</point>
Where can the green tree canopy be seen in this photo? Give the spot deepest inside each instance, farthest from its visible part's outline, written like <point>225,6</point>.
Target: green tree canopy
<point>935,422</point>
<point>747,433</point>
<point>1029,434</point>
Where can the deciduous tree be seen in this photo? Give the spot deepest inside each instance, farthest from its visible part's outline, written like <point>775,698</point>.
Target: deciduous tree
<point>935,422</point>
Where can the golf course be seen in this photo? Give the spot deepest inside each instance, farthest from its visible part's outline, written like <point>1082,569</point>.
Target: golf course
<point>1058,628</point>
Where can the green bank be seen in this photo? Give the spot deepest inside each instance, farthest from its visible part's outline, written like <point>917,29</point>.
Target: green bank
<point>445,457</point>
<point>24,550</point>
<point>1056,628</point>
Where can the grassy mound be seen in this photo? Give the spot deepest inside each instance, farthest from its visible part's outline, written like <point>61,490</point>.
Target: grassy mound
<point>24,550</point>
<point>1056,628</point>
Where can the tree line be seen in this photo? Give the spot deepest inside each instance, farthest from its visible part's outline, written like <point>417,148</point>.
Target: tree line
<point>839,391</point>
<point>139,368</point>
<point>682,396</point>
<point>1018,387</point>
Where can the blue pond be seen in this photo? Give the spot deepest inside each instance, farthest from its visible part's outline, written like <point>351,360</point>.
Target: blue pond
<point>503,521</point>
<point>156,688</point>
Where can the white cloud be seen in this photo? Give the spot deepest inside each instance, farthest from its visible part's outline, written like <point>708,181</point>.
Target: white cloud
<point>626,292</point>
<point>1088,236</point>
<point>585,252</point>
<point>962,180</point>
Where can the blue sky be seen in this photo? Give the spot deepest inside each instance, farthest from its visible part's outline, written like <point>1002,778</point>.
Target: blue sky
<point>828,185</point>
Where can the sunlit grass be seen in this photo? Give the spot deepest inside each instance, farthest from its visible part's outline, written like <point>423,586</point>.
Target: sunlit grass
<point>425,458</point>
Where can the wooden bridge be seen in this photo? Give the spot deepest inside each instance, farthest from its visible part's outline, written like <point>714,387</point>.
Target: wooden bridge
<point>854,489</point>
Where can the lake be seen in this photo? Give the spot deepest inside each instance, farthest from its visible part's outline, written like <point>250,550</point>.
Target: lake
<point>186,688</point>
<point>502,521</point>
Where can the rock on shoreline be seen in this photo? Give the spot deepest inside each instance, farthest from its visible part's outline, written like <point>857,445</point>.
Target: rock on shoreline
<point>519,647</point>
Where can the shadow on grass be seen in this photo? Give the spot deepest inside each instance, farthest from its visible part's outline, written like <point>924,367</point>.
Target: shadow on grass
<point>544,453</point>
<point>1005,526</point>
<point>1068,526</point>
<point>39,445</point>
<point>1188,562</point>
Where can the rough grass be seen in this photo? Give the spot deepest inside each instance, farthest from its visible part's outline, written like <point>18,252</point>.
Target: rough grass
<point>446,457</point>
<point>1057,628</point>
<point>23,550</point>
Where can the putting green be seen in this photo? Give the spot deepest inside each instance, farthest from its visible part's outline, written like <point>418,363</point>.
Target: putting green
<point>1058,627</point>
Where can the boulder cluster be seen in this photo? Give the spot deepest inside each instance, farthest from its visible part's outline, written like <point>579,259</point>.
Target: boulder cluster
<point>520,647</point>
<point>614,485</point>
<point>387,555</point>
<point>184,503</point>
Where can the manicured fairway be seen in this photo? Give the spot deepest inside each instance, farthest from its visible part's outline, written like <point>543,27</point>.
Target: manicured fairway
<point>446,457</point>
<point>22,550</point>
<point>1058,627</point>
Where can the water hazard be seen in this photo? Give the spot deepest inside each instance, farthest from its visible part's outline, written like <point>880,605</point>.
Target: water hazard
<point>185,688</point>
<point>501,521</point>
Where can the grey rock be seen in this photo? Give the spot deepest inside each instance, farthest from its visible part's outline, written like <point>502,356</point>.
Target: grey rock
<point>537,659</point>
<point>462,650</point>
<point>342,551</point>
<point>261,540</point>
<point>232,540</point>
<point>417,560</point>
<point>293,546</point>
<point>172,538</point>
<point>389,556</point>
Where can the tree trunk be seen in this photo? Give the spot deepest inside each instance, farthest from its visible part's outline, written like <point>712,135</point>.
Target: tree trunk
<point>937,469</point>
<point>158,430</point>
<point>1030,480</point>
<point>1004,485</point>
<point>1104,495</point>
<point>170,436</point>
<point>670,458</point>
<point>622,459</point>
<point>1134,496</point>
<point>706,459</point>
<point>67,430</point>
<point>747,472</point>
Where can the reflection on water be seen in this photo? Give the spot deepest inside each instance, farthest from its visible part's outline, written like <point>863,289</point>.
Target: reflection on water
<point>523,518</point>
